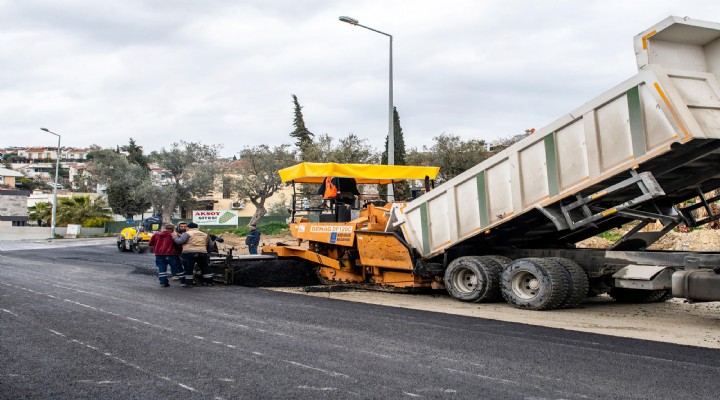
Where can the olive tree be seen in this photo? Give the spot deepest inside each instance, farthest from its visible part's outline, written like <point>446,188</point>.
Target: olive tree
<point>192,167</point>
<point>257,177</point>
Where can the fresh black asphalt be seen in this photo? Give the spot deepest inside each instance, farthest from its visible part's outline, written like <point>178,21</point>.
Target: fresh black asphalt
<point>81,322</point>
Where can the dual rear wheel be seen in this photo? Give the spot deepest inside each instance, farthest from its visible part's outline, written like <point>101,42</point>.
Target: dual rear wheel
<point>530,283</point>
<point>475,278</point>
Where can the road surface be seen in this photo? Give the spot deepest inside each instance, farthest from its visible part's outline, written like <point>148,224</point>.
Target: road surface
<point>80,322</point>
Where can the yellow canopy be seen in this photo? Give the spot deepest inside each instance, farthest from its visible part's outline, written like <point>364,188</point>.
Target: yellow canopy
<point>363,173</point>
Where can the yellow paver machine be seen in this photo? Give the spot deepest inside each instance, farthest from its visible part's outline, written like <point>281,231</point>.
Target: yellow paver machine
<point>354,241</point>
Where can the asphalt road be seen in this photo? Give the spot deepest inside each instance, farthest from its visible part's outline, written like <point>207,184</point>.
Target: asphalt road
<point>80,322</point>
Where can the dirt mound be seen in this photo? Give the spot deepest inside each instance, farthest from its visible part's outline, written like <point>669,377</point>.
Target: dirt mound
<point>238,242</point>
<point>696,240</point>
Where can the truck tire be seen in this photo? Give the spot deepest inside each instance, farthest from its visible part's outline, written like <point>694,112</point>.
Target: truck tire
<point>622,295</point>
<point>469,279</point>
<point>501,260</point>
<point>534,284</point>
<point>121,245</point>
<point>576,281</point>
<point>136,248</point>
<point>494,266</point>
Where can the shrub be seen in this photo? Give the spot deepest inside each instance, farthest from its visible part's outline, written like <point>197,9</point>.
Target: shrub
<point>98,222</point>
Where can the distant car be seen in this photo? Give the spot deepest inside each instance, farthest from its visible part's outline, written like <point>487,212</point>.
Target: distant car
<point>52,185</point>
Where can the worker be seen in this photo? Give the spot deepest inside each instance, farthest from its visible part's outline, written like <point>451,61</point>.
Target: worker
<point>329,188</point>
<point>347,190</point>
<point>195,247</point>
<point>166,253</point>
<point>214,240</point>
<point>253,239</point>
<point>342,190</point>
<point>181,227</point>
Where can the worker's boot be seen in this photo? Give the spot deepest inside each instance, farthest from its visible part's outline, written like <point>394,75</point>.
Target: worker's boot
<point>187,281</point>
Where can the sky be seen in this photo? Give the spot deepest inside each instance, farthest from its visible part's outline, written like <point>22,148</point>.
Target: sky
<point>224,72</point>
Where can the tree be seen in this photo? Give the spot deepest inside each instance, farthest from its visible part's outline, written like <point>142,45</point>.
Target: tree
<point>80,209</point>
<point>258,174</point>
<point>129,198</point>
<point>127,184</point>
<point>402,189</point>
<point>280,207</point>
<point>349,150</point>
<point>135,154</point>
<point>41,212</point>
<point>452,154</point>
<point>192,166</point>
<point>29,184</point>
<point>7,159</point>
<point>303,136</point>
<point>505,142</point>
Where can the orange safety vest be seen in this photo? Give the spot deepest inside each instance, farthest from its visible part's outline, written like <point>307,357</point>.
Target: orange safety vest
<point>330,189</point>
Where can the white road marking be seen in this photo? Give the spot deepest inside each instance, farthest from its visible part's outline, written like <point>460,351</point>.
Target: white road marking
<point>322,389</point>
<point>331,373</point>
<point>375,354</point>
<point>124,362</point>
<point>10,312</point>
<point>187,387</point>
<point>482,376</point>
<point>412,394</point>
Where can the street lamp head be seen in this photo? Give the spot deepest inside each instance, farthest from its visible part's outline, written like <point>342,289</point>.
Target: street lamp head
<point>45,129</point>
<point>349,20</point>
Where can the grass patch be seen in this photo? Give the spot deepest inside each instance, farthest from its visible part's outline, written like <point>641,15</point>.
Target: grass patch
<point>271,228</point>
<point>611,235</point>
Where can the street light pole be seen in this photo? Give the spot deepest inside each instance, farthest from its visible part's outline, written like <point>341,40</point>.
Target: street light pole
<point>55,188</point>
<point>391,125</point>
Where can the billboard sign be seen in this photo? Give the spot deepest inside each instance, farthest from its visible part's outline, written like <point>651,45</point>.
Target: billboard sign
<point>215,217</point>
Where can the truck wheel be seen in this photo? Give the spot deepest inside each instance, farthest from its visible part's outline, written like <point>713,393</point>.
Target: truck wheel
<point>137,249</point>
<point>576,281</point>
<point>501,260</point>
<point>467,279</point>
<point>534,284</point>
<point>622,295</point>
<point>494,266</point>
<point>121,246</point>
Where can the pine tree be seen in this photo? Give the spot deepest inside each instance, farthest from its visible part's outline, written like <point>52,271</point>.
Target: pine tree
<point>402,190</point>
<point>301,133</point>
<point>135,154</point>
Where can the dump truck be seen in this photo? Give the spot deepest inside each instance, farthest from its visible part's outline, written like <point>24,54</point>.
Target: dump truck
<point>646,150</point>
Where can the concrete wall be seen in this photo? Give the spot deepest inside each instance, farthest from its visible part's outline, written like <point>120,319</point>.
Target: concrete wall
<point>35,232</point>
<point>13,203</point>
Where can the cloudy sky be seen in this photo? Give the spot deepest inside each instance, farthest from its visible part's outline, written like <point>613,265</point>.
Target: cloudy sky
<point>223,72</point>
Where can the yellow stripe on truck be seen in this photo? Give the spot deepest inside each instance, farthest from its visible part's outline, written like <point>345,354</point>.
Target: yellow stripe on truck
<point>672,110</point>
<point>646,37</point>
